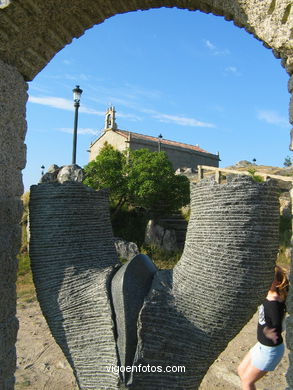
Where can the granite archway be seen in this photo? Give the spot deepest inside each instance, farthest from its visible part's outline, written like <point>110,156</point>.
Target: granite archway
<point>31,33</point>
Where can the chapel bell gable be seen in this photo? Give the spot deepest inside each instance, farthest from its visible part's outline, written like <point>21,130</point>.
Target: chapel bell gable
<point>110,120</point>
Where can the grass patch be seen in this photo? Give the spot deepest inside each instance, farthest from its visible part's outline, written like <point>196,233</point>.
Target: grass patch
<point>23,385</point>
<point>255,177</point>
<point>162,259</point>
<point>283,260</point>
<point>24,264</point>
<point>285,230</point>
<point>24,285</point>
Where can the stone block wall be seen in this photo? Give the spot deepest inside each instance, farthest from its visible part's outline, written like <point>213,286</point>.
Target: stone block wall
<point>13,98</point>
<point>289,327</point>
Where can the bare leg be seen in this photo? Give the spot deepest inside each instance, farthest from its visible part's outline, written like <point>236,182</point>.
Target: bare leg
<point>244,364</point>
<point>249,374</point>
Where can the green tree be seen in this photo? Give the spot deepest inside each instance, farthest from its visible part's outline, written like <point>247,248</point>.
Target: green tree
<point>107,171</point>
<point>152,183</point>
<point>144,179</point>
<point>288,162</point>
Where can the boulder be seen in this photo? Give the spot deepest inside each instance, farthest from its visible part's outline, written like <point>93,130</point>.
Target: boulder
<point>285,205</point>
<point>125,249</point>
<point>51,175</point>
<point>72,173</point>
<point>160,237</point>
<point>243,164</point>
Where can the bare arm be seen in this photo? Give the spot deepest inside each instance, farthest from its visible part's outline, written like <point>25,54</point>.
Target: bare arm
<point>271,333</point>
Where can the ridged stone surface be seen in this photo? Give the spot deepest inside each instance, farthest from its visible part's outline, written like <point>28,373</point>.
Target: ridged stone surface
<point>33,31</point>
<point>225,271</point>
<point>289,320</point>
<point>72,255</point>
<point>13,99</point>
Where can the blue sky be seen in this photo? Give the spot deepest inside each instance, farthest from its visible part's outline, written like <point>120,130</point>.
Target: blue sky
<point>192,77</point>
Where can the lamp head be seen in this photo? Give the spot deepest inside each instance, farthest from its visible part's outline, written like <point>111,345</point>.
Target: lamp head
<point>77,94</point>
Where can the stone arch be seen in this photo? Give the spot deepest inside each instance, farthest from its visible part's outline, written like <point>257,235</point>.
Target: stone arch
<point>31,33</point>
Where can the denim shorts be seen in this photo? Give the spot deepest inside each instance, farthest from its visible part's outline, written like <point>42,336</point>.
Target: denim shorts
<point>266,358</point>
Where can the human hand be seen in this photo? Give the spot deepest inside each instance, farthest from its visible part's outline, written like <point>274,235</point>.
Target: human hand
<point>271,334</point>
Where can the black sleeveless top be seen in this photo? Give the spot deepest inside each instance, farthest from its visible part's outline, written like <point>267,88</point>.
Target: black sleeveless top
<point>271,314</point>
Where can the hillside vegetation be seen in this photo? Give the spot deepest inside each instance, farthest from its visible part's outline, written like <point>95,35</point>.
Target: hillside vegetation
<point>285,227</point>
<point>245,165</point>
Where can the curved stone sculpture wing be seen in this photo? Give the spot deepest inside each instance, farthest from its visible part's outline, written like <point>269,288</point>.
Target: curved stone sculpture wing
<point>225,271</point>
<point>72,255</point>
<point>129,287</point>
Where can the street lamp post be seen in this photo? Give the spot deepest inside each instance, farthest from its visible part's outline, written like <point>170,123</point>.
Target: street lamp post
<point>159,142</point>
<point>76,98</point>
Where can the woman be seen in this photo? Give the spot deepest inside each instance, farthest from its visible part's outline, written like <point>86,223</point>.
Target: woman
<point>269,350</point>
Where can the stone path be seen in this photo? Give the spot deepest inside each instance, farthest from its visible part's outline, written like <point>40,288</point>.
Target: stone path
<point>42,366</point>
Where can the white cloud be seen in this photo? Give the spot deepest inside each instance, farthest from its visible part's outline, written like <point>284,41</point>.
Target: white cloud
<point>135,90</point>
<point>127,95</point>
<point>66,104</point>
<point>81,131</point>
<point>131,117</point>
<point>178,119</point>
<point>214,50</point>
<point>68,76</point>
<point>87,110</point>
<point>36,88</point>
<point>80,76</point>
<point>52,101</point>
<point>62,104</point>
<point>273,118</point>
<point>232,70</point>
<point>210,45</point>
<point>181,120</point>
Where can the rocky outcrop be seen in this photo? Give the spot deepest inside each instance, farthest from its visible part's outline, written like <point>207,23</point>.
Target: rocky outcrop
<point>160,237</point>
<point>65,173</point>
<point>285,205</point>
<point>125,249</point>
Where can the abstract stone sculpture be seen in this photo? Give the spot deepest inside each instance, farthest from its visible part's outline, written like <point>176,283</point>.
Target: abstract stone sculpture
<point>188,315</point>
<point>130,285</point>
<point>32,32</point>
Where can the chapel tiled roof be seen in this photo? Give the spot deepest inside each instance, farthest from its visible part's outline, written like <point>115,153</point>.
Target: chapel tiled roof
<point>163,141</point>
